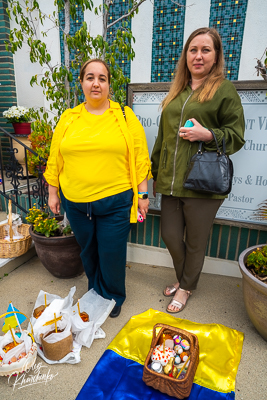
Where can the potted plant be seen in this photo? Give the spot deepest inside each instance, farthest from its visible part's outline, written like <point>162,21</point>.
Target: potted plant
<point>40,141</point>
<point>262,68</point>
<point>253,267</point>
<point>55,244</point>
<point>20,118</point>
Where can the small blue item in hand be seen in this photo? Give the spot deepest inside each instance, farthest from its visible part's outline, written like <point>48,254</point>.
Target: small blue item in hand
<point>188,124</point>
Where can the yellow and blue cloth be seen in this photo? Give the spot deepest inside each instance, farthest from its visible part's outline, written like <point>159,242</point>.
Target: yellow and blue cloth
<point>118,374</point>
<point>11,319</point>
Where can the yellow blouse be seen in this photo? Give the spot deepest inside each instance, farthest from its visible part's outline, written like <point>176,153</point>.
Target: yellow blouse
<point>137,163</point>
<point>94,143</point>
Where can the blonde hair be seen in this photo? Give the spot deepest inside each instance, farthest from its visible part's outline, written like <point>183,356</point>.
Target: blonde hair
<point>182,77</point>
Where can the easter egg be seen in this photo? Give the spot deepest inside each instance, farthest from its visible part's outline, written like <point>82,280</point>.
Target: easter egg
<point>185,344</point>
<point>177,360</point>
<point>177,339</point>
<point>22,355</point>
<point>178,349</point>
<point>184,356</point>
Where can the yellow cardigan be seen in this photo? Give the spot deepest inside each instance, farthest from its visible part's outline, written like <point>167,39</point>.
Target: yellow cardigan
<point>135,138</point>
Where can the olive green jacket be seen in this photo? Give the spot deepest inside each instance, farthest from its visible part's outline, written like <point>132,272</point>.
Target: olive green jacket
<point>171,154</point>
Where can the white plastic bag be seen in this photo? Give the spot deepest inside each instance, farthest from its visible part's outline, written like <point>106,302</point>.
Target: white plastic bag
<point>64,325</point>
<point>56,305</point>
<point>25,343</point>
<point>98,310</point>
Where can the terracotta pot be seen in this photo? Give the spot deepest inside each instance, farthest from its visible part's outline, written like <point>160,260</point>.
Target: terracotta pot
<point>22,128</point>
<point>60,255</point>
<point>255,294</point>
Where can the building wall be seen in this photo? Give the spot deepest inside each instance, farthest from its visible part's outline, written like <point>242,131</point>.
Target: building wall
<point>244,40</point>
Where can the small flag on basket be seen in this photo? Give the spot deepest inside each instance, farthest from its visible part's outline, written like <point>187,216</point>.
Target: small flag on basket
<point>13,320</point>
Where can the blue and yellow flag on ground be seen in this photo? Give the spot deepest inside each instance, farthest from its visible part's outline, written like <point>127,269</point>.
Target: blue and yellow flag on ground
<point>118,374</point>
<point>11,319</point>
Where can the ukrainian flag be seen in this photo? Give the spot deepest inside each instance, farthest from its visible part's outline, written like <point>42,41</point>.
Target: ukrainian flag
<point>118,374</point>
<point>11,319</point>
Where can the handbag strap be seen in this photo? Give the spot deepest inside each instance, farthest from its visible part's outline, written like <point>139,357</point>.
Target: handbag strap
<point>216,142</point>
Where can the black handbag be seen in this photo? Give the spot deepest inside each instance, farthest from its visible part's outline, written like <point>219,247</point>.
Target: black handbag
<point>210,171</point>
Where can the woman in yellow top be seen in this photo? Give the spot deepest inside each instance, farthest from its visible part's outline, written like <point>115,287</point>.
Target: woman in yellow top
<point>100,162</point>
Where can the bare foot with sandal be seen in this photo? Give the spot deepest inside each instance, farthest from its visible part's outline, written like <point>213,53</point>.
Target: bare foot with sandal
<point>171,290</point>
<point>179,301</point>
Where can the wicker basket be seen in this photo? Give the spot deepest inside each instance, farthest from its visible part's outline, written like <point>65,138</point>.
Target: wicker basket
<point>15,248</point>
<point>164,383</point>
<point>24,363</point>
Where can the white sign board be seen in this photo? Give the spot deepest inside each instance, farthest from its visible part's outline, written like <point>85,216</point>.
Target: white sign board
<point>250,163</point>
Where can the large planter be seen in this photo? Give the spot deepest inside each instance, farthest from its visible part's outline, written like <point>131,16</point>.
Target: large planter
<point>22,128</point>
<point>255,294</point>
<point>20,155</point>
<point>60,255</point>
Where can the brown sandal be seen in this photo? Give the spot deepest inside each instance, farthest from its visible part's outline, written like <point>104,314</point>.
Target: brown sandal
<point>177,303</point>
<point>171,289</point>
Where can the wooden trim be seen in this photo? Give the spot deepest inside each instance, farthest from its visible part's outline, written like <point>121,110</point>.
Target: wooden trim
<point>165,87</point>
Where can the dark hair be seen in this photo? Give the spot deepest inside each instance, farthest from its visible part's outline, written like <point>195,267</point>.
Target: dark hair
<point>182,76</point>
<point>83,67</point>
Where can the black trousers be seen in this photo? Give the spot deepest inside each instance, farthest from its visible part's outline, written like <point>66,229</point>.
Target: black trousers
<point>101,229</point>
<point>185,228</point>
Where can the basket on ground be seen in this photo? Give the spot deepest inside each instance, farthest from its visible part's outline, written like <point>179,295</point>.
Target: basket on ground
<point>173,387</point>
<point>22,364</point>
<point>14,248</point>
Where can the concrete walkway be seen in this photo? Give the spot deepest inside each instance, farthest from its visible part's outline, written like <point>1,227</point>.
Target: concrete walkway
<point>217,300</point>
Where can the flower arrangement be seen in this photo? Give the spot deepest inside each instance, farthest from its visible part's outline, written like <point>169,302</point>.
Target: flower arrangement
<point>17,114</point>
<point>40,138</point>
<point>45,225</point>
<point>257,261</point>
<point>35,213</point>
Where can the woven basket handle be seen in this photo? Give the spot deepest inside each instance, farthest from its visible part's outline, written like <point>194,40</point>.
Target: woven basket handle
<point>153,343</point>
<point>18,312</point>
<point>10,220</point>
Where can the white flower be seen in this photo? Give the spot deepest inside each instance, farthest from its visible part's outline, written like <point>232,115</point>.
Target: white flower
<point>17,114</point>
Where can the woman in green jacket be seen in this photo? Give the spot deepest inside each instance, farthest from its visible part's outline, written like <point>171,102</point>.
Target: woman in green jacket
<point>200,94</point>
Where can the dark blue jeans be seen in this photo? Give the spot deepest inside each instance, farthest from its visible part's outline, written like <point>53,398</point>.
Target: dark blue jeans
<point>101,229</point>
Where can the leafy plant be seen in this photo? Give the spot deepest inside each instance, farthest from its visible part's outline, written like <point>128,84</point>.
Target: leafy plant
<point>47,226</point>
<point>60,87</point>
<point>67,230</point>
<point>257,260</point>
<point>34,214</point>
<point>262,67</point>
<point>40,138</point>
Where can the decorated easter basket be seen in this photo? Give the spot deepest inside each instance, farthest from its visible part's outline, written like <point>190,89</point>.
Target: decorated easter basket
<point>14,247</point>
<point>24,363</point>
<point>173,387</point>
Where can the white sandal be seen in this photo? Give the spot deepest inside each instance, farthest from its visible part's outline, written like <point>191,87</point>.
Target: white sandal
<point>177,303</point>
<point>171,289</point>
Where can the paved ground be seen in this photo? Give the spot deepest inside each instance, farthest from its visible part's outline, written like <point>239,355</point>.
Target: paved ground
<point>217,300</point>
